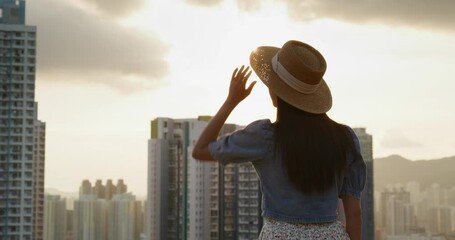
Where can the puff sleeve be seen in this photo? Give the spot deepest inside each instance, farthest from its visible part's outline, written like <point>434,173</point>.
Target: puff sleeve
<point>246,145</point>
<point>354,180</point>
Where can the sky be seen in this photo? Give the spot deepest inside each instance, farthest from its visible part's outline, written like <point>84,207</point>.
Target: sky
<point>105,69</point>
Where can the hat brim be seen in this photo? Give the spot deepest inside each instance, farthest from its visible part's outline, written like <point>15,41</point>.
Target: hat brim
<point>317,102</point>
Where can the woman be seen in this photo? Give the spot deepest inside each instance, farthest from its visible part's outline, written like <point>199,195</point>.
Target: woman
<point>305,161</point>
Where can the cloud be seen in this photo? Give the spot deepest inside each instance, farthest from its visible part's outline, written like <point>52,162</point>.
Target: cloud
<point>204,3</point>
<point>414,13</point>
<point>117,7</point>
<point>397,139</point>
<point>73,42</point>
<point>243,5</point>
<point>249,5</point>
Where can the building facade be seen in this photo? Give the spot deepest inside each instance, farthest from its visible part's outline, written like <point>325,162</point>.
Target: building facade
<point>189,199</point>
<point>21,134</point>
<point>90,218</point>
<point>38,193</point>
<point>55,224</point>
<point>124,217</point>
<point>366,146</point>
<point>249,220</point>
<point>235,187</point>
<point>177,185</point>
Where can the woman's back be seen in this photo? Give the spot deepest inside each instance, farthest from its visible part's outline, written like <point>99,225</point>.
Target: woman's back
<point>281,199</point>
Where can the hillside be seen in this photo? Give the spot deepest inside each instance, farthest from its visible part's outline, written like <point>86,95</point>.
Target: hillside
<point>396,169</point>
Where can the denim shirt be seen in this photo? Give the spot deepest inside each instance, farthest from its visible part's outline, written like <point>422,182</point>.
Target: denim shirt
<point>280,199</point>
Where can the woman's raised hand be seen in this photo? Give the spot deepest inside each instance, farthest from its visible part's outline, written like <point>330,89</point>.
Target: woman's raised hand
<point>237,93</point>
<point>237,90</point>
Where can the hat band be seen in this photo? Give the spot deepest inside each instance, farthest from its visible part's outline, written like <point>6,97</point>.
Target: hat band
<point>292,81</point>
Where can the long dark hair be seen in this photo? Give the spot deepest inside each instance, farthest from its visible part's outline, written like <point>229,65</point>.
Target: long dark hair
<point>313,148</point>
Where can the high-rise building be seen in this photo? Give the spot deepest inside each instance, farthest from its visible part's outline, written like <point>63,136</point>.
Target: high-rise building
<point>249,219</point>
<point>99,190</point>
<point>189,199</point>
<point>85,188</point>
<point>423,212</point>
<point>396,211</point>
<point>124,217</point>
<point>102,191</point>
<point>438,195</point>
<point>414,190</point>
<point>121,187</point>
<point>109,189</point>
<point>399,214</point>
<point>234,187</point>
<point>21,172</point>
<point>69,223</point>
<point>105,212</point>
<point>55,224</point>
<point>366,146</point>
<point>451,197</point>
<point>38,193</point>
<point>178,196</point>
<point>90,218</point>
<point>441,219</point>
<point>223,204</point>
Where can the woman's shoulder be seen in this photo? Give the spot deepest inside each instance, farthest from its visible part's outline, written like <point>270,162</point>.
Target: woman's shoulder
<point>349,129</point>
<point>261,123</point>
<point>261,126</point>
<point>353,134</point>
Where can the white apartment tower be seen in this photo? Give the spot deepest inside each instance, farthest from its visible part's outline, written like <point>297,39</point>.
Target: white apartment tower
<point>21,134</point>
<point>189,199</point>
<point>124,217</point>
<point>178,196</point>
<point>399,215</point>
<point>55,220</point>
<point>90,218</point>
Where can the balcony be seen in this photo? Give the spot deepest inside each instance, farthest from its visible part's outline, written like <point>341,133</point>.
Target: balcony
<point>213,206</point>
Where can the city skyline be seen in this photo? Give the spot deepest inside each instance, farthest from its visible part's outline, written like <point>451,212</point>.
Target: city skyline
<point>99,212</point>
<point>412,212</point>
<point>391,223</point>
<point>106,70</point>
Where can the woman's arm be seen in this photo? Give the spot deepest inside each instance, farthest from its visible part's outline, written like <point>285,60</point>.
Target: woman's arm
<point>353,213</point>
<point>237,93</point>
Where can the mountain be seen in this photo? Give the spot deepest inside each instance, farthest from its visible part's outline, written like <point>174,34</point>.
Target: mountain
<point>396,169</point>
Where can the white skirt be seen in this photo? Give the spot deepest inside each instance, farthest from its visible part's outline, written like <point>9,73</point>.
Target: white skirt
<point>274,229</point>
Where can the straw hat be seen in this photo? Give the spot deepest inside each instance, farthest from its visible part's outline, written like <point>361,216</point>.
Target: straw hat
<point>294,73</point>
